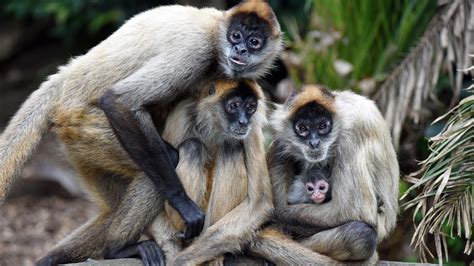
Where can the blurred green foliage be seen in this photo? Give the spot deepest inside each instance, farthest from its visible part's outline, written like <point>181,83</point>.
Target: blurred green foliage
<point>371,35</point>
<point>73,18</point>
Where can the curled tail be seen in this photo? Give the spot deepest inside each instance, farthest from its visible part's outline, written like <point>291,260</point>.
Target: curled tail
<point>25,130</point>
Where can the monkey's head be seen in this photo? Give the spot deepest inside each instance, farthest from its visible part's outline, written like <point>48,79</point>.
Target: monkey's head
<point>307,123</point>
<point>249,40</point>
<point>317,185</point>
<point>229,109</point>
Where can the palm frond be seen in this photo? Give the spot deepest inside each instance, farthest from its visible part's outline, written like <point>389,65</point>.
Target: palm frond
<point>448,41</point>
<point>445,202</point>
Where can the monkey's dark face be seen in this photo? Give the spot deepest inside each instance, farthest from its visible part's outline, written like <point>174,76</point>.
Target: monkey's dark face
<point>312,126</point>
<point>239,107</point>
<point>249,45</point>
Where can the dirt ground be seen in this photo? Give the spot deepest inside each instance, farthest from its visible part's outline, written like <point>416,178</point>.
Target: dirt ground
<point>30,226</point>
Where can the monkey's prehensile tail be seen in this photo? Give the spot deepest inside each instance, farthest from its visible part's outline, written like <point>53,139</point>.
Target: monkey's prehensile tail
<point>25,130</point>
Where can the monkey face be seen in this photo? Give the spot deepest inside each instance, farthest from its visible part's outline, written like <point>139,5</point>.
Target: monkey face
<point>312,126</point>
<point>317,190</point>
<point>249,46</point>
<point>239,107</point>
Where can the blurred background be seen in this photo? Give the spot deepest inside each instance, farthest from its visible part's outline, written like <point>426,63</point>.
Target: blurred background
<point>413,57</point>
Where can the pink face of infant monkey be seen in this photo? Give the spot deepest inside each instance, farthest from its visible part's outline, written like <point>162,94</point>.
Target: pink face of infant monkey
<point>317,190</point>
<point>311,186</point>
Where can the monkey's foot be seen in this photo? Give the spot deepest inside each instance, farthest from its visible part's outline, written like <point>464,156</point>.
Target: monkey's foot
<point>149,251</point>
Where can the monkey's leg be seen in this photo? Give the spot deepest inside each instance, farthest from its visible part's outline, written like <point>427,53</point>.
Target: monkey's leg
<point>133,126</point>
<point>352,241</point>
<point>173,153</point>
<point>137,210</point>
<point>88,240</point>
<point>83,243</point>
<point>118,225</point>
<point>280,249</point>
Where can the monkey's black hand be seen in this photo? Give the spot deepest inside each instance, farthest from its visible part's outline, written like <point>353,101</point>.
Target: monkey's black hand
<point>148,251</point>
<point>191,214</point>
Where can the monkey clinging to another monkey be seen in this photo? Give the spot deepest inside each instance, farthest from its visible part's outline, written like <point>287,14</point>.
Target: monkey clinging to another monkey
<point>346,131</point>
<point>220,160</point>
<point>222,167</point>
<point>156,59</point>
<point>311,186</point>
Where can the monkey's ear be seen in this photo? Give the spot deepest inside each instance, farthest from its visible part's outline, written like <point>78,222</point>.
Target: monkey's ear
<point>212,89</point>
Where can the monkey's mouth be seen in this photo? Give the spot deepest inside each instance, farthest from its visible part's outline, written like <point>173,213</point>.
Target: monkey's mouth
<point>240,133</point>
<point>238,61</point>
<point>313,156</point>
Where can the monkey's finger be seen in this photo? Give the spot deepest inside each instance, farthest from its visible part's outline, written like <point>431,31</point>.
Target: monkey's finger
<point>151,254</point>
<point>194,228</point>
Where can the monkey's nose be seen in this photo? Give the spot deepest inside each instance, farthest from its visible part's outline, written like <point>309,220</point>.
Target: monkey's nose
<point>240,50</point>
<point>314,143</point>
<point>243,122</point>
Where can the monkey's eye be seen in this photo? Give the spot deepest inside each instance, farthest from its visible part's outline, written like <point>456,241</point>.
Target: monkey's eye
<point>255,43</point>
<point>232,106</point>
<point>302,130</point>
<point>235,36</point>
<point>251,108</point>
<point>309,188</point>
<point>324,127</point>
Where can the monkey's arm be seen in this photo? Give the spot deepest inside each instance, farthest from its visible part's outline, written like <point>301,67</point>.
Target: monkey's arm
<point>125,107</point>
<point>353,199</point>
<point>351,217</point>
<point>324,215</point>
<point>294,227</point>
<point>277,247</point>
<point>237,227</point>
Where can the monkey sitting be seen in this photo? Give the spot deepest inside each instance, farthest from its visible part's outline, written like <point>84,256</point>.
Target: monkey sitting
<point>347,131</point>
<point>312,186</point>
<point>222,166</point>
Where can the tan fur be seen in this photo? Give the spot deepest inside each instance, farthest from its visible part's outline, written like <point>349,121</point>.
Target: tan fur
<point>364,166</point>
<point>312,93</point>
<point>240,196</point>
<point>24,132</point>
<point>282,250</point>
